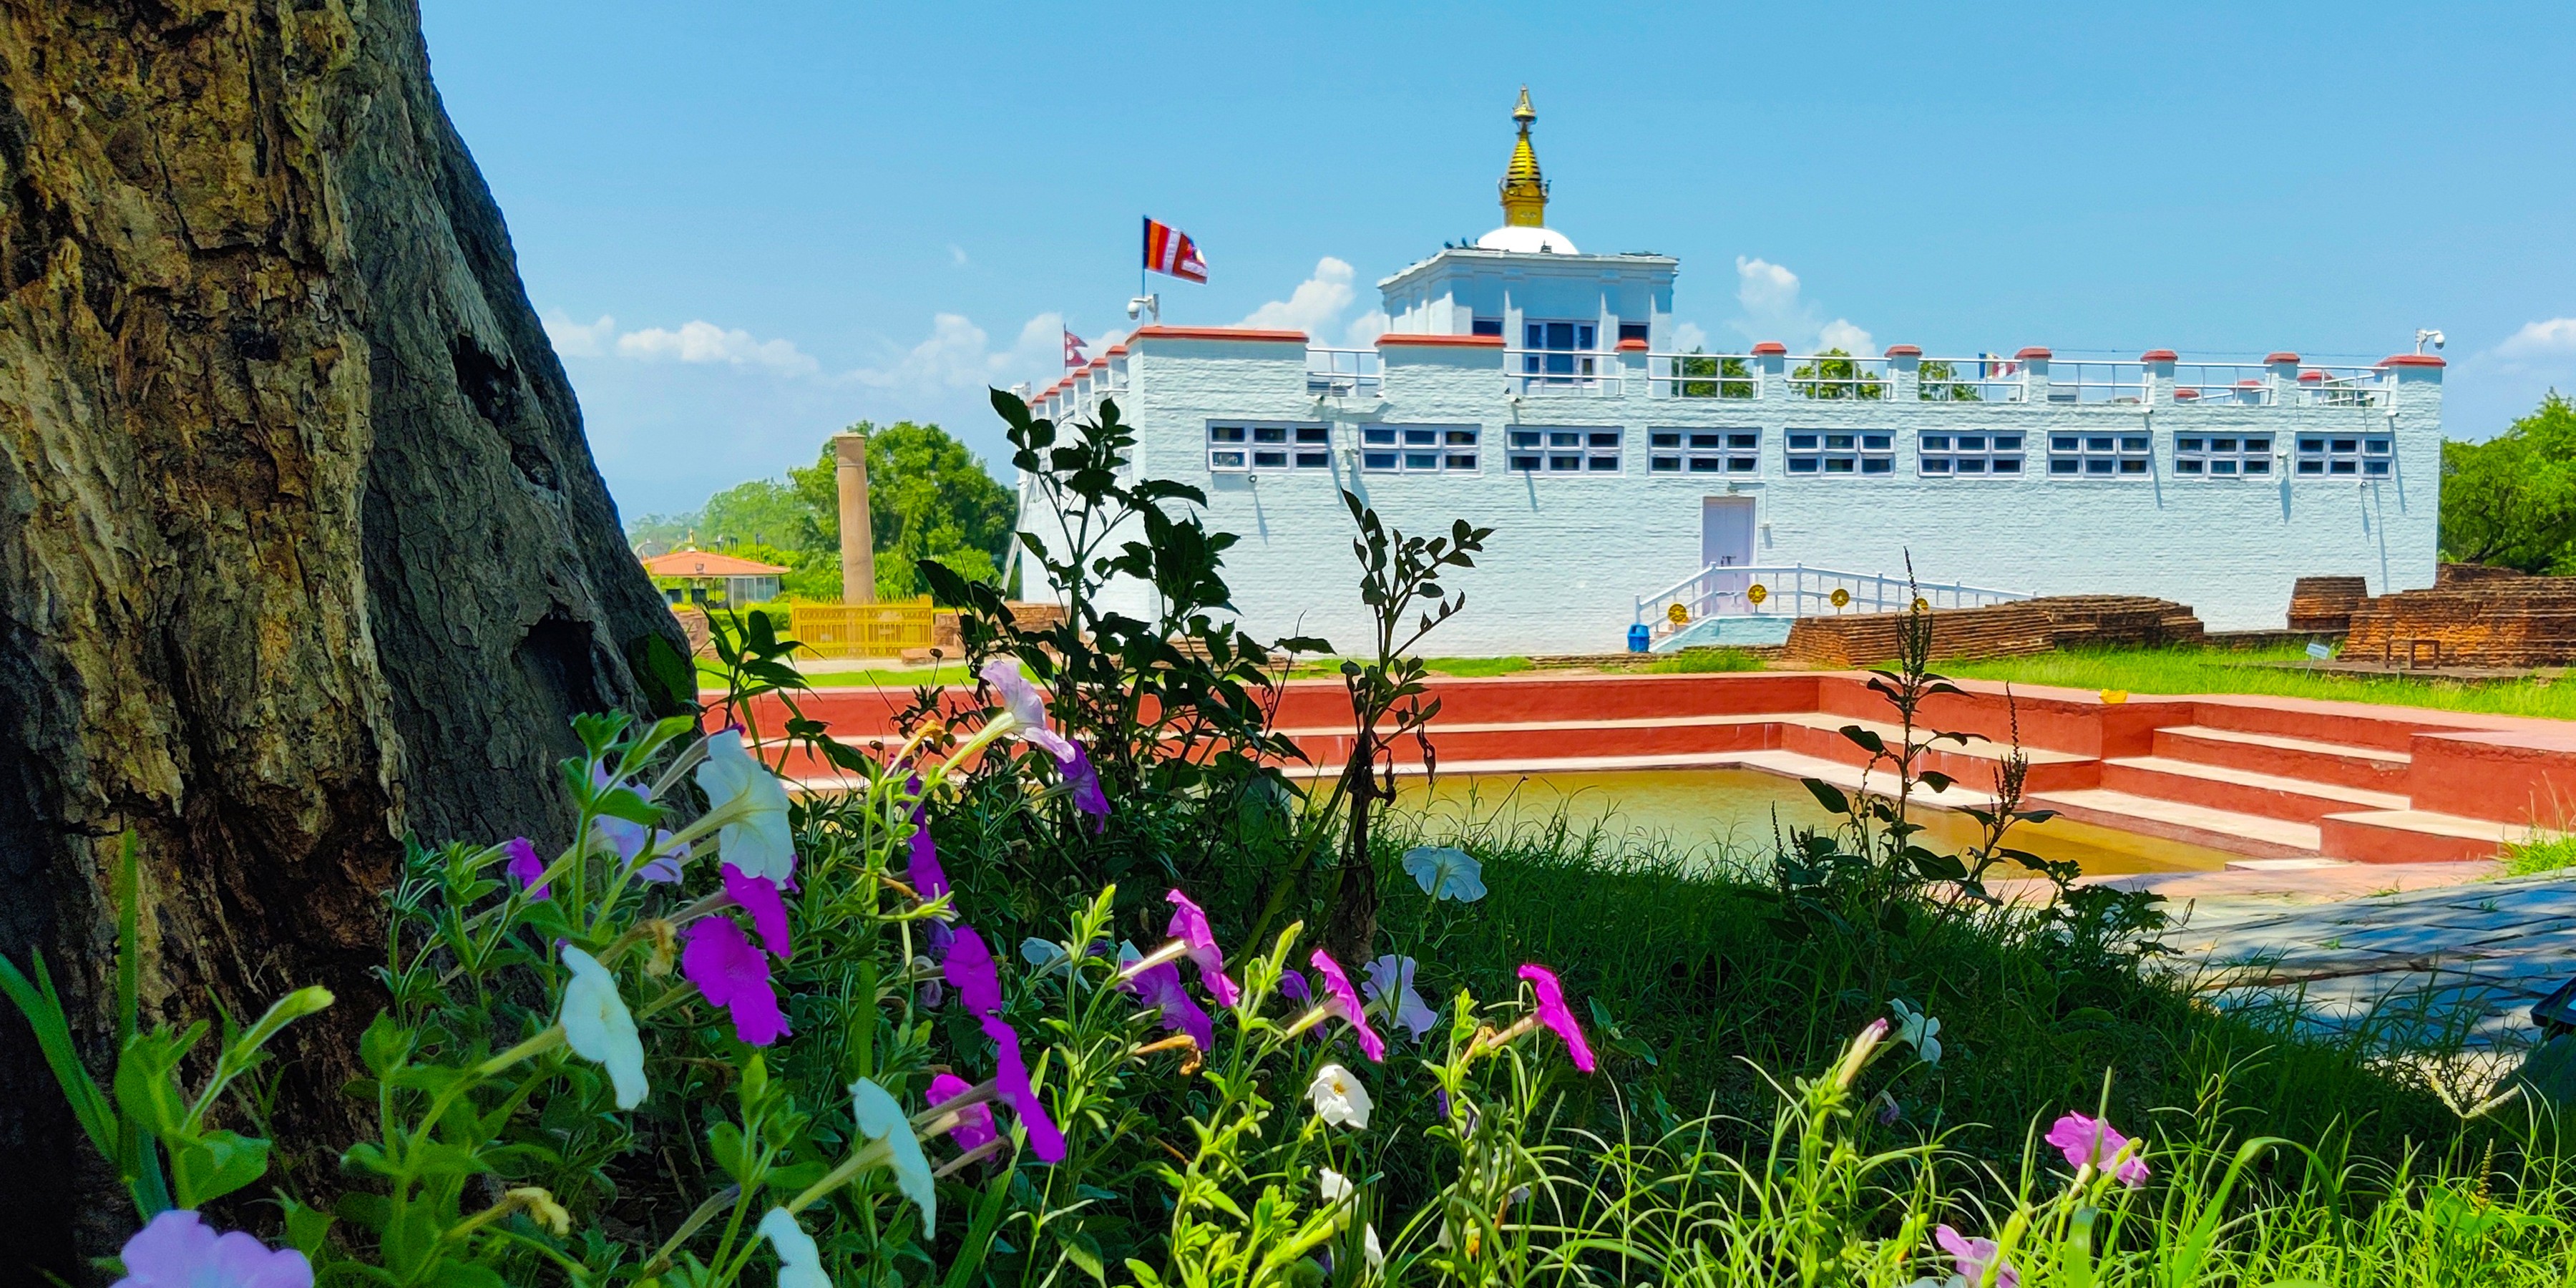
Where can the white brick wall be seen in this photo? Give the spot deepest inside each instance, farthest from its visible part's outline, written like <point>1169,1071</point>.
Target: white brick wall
<point>1569,555</point>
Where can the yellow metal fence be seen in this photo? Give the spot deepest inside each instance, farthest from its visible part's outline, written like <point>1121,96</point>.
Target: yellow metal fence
<point>861,630</point>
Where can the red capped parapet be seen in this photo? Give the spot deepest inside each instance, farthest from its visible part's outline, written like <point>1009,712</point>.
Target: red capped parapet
<point>1770,347</point>
<point>1905,351</point>
<point>2159,355</point>
<point>2034,353</point>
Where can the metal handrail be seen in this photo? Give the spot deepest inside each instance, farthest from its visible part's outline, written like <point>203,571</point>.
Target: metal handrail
<point>1795,589</point>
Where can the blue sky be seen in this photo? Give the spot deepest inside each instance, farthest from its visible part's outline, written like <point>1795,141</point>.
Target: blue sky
<point>749,225</point>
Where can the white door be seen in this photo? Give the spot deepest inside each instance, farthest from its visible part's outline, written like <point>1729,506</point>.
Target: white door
<point>1725,540</point>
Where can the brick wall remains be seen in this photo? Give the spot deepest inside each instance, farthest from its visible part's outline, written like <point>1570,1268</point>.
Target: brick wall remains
<point>2480,617</point>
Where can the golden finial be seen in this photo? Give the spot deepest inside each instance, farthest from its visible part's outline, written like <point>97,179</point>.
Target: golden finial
<point>1524,192</point>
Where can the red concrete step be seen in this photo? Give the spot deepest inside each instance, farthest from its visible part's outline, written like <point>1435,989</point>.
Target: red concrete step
<point>1971,765</point>
<point>2387,728</point>
<point>2370,768</point>
<point>1556,739</point>
<point>2240,791</point>
<point>2252,835</point>
<point>2414,836</point>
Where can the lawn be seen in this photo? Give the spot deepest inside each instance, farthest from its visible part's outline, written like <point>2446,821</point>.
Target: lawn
<point>2173,670</point>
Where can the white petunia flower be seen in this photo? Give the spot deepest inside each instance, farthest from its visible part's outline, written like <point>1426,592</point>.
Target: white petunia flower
<point>755,837</point>
<point>1446,872</point>
<point>881,1118</point>
<point>1369,1248</point>
<point>1044,955</point>
<point>599,1028</point>
<point>1333,1186</point>
<point>1918,1030</point>
<point>800,1263</point>
<point>1339,1098</point>
<point>1026,708</point>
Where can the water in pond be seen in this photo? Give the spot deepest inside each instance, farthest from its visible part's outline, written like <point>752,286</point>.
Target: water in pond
<point>1700,809</point>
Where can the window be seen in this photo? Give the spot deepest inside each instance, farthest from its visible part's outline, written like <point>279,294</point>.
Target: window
<point>1237,446</point>
<point>1819,451</point>
<point>1632,331</point>
<point>1564,451</point>
<point>2346,455</point>
<point>1486,326</point>
<point>2223,456</point>
<point>1736,452</point>
<point>2096,456</point>
<point>1419,449</point>
<point>1559,350</point>
<point>1968,455</point>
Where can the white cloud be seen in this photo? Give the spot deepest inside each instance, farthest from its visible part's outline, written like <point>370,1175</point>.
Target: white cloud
<point>1774,306</point>
<point>1315,304</point>
<point>575,340</point>
<point>957,254</point>
<point>960,355</point>
<point>705,342</point>
<point>1366,328</point>
<point>1688,336</point>
<point>2555,338</point>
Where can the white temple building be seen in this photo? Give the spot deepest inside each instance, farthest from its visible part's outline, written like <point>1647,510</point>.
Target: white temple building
<point>1531,387</point>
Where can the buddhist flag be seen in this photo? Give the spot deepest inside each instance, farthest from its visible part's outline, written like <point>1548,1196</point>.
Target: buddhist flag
<point>1169,250</point>
<point>1073,345</point>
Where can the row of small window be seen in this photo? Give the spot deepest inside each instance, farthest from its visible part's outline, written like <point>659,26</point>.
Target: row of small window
<point>1456,449</point>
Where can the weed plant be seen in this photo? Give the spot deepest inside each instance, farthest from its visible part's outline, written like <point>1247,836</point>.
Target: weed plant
<point>2191,670</point>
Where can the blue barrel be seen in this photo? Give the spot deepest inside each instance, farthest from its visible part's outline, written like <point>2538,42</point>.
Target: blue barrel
<point>1639,637</point>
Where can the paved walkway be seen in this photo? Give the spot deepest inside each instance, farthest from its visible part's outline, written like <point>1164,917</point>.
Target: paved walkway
<point>2413,954</point>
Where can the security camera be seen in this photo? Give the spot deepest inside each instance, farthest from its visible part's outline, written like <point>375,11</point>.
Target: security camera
<point>1143,304</point>
<point>2425,334</point>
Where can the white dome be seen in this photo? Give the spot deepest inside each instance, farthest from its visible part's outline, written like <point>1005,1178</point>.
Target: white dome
<point>1527,241</point>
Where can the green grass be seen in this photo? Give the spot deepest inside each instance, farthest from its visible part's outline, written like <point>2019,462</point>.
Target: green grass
<point>2148,670</point>
<point>1468,668</point>
<point>711,675</point>
<point>2545,854</point>
<point>1698,661</point>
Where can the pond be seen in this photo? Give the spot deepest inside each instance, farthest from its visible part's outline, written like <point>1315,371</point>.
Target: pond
<point>1732,809</point>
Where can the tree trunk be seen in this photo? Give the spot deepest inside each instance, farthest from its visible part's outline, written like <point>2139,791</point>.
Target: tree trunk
<point>301,547</point>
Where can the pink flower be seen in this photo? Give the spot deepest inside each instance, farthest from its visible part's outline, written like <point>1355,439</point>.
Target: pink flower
<point>970,969</point>
<point>1345,1001</point>
<point>1552,1012</point>
<point>730,973</point>
<point>1087,796</point>
<point>1973,1256</point>
<point>1190,926</point>
<point>2086,1140</point>
<point>177,1250</point>
<point>928,879</point>
<point>1027,708</point>
<point>525,867</point>
<point>974,1122</point>
<point>759,897</point>
<point>1161,987</point>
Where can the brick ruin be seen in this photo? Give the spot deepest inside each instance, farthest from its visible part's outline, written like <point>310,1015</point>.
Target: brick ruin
<point>2473,616</point>
<point>2324,605</point>
<point>1999,630</point>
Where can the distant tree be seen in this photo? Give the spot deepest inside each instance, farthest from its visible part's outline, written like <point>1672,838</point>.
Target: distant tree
<point>1835,374</point>
<point>2511,501</point>
<point>1735,379</point>
<point>760,512</point>
<point>928,498</point>
<point>653,534</point>
<point>1939,382</point>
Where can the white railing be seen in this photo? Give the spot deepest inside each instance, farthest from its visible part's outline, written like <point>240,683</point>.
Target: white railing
<point>1359,373</point>
<point>1986,379</point>
<point>1837,376</point>
<point>1702,375</point>
<point>1562,371</point>
<point>1796,590</point>
<point>2085,382</point>
<point>2343,386</point>
<point>2240,384</point>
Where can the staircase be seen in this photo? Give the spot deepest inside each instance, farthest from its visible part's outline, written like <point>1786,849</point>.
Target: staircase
<point>2267,778</point>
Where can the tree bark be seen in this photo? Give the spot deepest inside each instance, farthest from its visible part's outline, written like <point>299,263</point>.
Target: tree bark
<point>301,547</point>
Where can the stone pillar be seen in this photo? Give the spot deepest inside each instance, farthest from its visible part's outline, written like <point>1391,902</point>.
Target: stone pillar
<point>858,542</point>
<point>2158,381</point>
<point>1905,372</point>
<point>1770,368</point>
<point>2034,373</point>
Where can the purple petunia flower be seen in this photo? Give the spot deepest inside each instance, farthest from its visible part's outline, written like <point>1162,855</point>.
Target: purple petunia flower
<point>927,877</point>
<point>759,897</point>
<point>970,970</point>
<point>178,1250</point>
<point>1973,1256</point>
<point>974,1122</point>
<point>1026,708</point>
<point>525,867</point>
<point>2084,1139</point>
<point>1161,987</point>
<point>1190,926</point>
<point>731,973</point>
<point>1087,796</point>
<point>628,839</point>
<point>1553,1013</point>
<point>1345,1001</point>
<point>1293,986</point>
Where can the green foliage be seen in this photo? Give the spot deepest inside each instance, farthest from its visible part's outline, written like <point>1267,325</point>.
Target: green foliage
<point>760,514</point>
<point>1937,381</point>
<point>2193,670</point>
<point>928,498</point>
<point>2511,500</point>
<point>1732,377</point>
<point>1835,374</point>
<point>1699,661</point>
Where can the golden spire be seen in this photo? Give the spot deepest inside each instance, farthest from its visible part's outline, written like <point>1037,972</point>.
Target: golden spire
<point>1524,192</point>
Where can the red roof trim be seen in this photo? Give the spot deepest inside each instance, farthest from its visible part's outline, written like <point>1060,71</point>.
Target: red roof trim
<point>1628,346</point>
<point>2412,360</point>
<point>1253,335</point>
<point>2311,375</point>
<point>1768,347</point>
<point>2034,352</point>
<point>1443,341</point>
<point>2186,395</point>
<point>1905,351</point>
<point>2291,358</point>
<point>2159,355</point>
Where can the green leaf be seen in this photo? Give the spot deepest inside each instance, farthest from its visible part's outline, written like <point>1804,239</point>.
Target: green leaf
<point>216,1164</point>
<point>147,1080</point>
<point>307,1229</point>
<point>1865,739</point>
<point>1828,795</point>
<point>1083,1251</point>
<point>44,1011</point>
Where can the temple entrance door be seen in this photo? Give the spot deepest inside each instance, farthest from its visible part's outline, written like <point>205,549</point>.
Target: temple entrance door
<point>1725,540</point>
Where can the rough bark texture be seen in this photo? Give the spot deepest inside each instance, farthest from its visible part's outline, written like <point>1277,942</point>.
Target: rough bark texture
<point>301,547</point>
